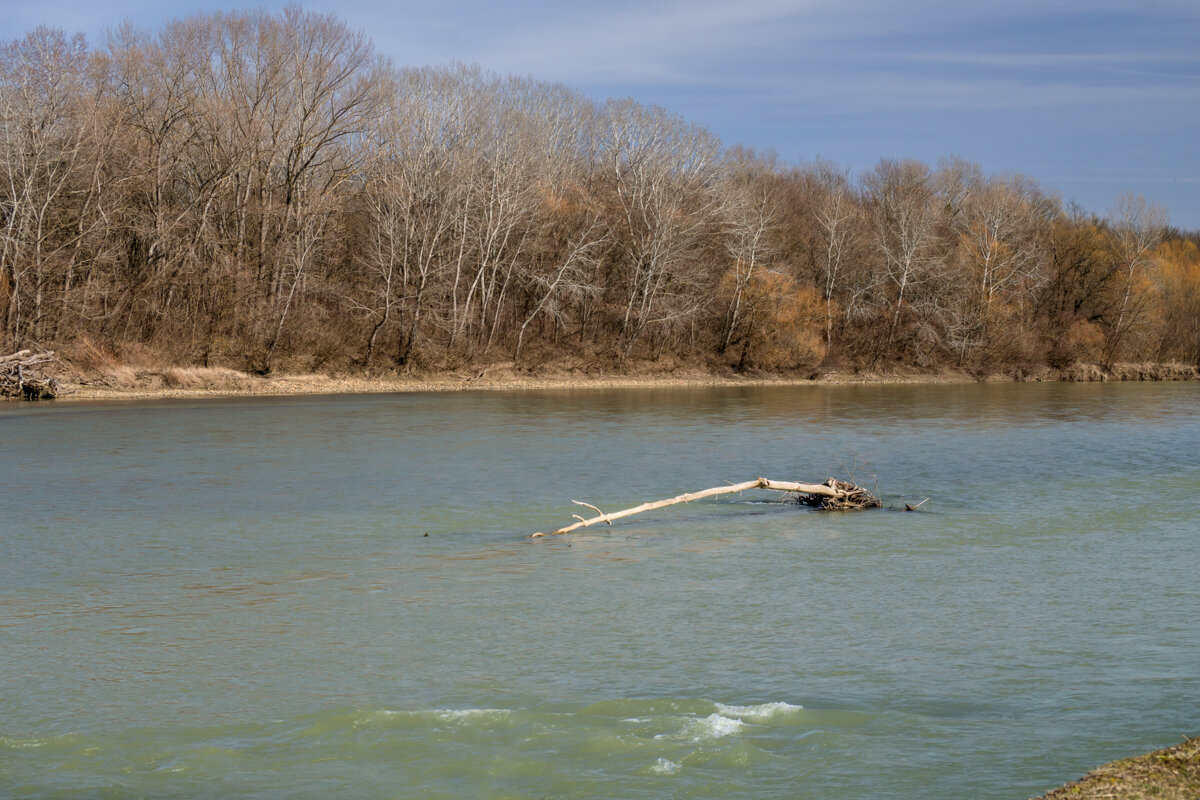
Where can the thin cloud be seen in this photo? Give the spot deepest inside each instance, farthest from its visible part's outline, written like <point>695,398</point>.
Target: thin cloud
<point>1045,60</point>
<point>646,44</point>
<point>885,91</point>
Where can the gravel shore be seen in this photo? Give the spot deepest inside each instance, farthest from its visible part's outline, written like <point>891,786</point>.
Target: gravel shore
<point>1172,773</point>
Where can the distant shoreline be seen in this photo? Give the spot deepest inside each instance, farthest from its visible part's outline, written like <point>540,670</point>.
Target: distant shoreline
<point>196,382</point>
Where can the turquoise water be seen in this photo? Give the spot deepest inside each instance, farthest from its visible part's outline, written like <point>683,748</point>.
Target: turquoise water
<point>237,599</point>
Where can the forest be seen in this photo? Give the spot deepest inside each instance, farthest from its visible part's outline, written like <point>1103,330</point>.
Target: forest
<point>265,191</point>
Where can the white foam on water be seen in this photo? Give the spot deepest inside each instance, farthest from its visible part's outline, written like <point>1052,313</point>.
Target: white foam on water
<point>759,713</point>
<point>21,744</point>
<point>460,715</point>
<point>369,717</point>
<point>665,767</point>
<point>471,714</point>
<point>714,726</point>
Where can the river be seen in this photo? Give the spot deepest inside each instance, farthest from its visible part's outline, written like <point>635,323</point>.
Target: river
<point>238,598</point>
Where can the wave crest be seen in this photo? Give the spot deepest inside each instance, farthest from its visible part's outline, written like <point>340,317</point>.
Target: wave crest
<point>763,712</point>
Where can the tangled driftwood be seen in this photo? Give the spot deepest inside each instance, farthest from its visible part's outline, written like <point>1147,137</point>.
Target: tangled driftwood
<point>21,376</point>
<point>848,496</point>
<point>832,494</point>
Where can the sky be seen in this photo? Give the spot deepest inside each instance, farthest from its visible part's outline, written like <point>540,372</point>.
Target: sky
<point>1090,97</point>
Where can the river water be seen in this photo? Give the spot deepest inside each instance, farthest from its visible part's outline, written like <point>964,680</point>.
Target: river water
<point>237,598</point>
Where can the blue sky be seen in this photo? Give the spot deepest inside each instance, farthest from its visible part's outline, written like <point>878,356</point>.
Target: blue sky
<point>1091,98</point>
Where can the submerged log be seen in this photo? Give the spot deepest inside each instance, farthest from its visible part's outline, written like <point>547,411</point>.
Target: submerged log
<point>832,494</point>
<point>20,376</point>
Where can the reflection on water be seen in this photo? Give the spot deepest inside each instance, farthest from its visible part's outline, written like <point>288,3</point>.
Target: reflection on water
<point>239,598</point>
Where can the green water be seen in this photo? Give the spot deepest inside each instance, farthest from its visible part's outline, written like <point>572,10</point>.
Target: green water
<point>236,598</point>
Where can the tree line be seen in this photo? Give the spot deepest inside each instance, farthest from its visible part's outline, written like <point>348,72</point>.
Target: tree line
<point>263,190</point>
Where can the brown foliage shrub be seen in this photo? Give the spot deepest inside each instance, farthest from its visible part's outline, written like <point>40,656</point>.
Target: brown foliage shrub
<point>784,330</point>
<point>202,378</point>
<point>86,355</point>
<point>1177,318</point>
<point>1082,341</point>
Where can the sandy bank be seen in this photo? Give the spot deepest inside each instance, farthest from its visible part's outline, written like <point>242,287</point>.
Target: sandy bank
<point>128,383</point>
<point>251,385</point>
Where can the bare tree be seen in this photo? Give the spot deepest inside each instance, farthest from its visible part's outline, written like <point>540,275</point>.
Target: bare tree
<point>839,221</point>
<point>750,207</point>
<point>1001,230</point>
<point>568,281</point>
<point>1136,229</point>
<point>417,205</point>
<point>44,129</point>
<point>661,172</point>
<point>908,226</point>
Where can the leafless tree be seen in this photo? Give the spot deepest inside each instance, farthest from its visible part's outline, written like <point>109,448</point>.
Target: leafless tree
<point>417,205</point>
<point>908,227</point>
<point>44,131</point>
<point>843,270</point>
<point>661,172</point>
<point>1001,226</point>
<point>1136,229</point>
<point>749,204</point>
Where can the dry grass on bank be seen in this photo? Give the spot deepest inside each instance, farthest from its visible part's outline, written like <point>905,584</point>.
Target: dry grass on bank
<point>1169,774</point>
<point>1129,372</point>
<point>92,373</point>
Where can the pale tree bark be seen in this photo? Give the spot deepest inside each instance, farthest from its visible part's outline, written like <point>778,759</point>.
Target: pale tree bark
<point>558,276</point>
<point>838,220</point>
<point>662,172</point>
<point>1136,229</point>
<point>566,282</point>
<point>416,204</point>
<point>750,209</point>
<point>44,135</point>
<point>907,227</point>
<point>1000,232</point>
<point>844,495</point>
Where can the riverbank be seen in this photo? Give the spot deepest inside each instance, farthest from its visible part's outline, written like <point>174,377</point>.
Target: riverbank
<point>129,383</point>
<point>1172,773</point>
<point>227,383</point>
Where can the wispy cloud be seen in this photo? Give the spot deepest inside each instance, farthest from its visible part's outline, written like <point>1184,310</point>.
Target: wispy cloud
<point>1189,58</point>
<point>883,91</point>
<point>642,43</point>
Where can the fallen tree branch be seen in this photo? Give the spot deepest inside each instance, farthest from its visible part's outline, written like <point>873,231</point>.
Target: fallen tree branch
<point>20,376</point>
<point>589,505</point>
<point>832,494</point>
